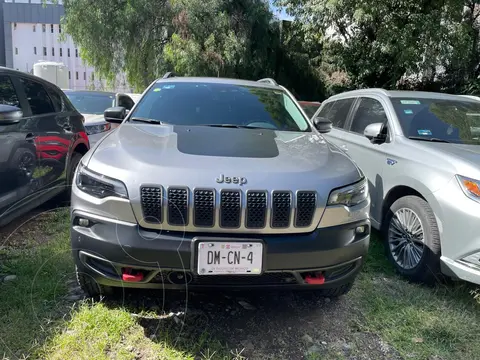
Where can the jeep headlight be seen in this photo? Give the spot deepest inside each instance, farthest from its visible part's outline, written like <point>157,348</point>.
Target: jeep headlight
<point>350,195</point>
<point>97,185</point>
<point>97,129</point>
<point>470,187</point>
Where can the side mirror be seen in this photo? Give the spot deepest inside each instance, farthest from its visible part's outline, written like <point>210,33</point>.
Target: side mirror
<point>323,125</point>
<point>375,133</point>
<point>115,114</point>
<point>10,115</point>
<point>125,101</point>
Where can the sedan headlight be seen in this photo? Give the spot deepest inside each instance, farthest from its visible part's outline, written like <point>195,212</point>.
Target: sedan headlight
<point>97,129</point>
<point>470,187</point>
<point>97,185</point>
<point>350,195</point>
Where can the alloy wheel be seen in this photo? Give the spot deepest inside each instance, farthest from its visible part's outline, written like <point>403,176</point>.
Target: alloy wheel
<point>406,238</point>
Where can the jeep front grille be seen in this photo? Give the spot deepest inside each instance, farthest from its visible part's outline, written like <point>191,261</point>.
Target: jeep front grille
<point>281,209</point>
<point>204,208</point>
<point>232,209</point>
<point>256,209</point>
<point>152,204</point>
<point>177,206</point>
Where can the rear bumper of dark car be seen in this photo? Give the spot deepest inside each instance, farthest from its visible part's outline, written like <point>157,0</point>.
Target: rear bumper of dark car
<point>105,249</point>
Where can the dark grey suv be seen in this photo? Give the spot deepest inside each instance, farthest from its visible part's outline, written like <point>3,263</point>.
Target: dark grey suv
<point>42,139</point>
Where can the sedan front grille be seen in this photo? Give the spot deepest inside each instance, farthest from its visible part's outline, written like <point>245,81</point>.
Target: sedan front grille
<point>224,209</point>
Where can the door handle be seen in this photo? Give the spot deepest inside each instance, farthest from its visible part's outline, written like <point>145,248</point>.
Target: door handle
<point>30,138</point>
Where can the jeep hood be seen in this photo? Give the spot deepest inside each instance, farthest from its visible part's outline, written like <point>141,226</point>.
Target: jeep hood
<point>195,156</point>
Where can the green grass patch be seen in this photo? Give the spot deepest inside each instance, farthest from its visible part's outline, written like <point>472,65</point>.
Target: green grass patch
<point>29,305</point>
<point>419,321</point>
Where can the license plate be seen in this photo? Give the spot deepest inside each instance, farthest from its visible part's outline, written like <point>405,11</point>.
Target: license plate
<point>239,258</point>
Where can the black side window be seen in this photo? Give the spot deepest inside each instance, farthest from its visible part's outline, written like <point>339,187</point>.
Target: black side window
<point>56,99</point>
<point>339,112</point>
<point>369,111</point>
<point>325,110</point>
<point>8,95</point>
<point>37,97</point>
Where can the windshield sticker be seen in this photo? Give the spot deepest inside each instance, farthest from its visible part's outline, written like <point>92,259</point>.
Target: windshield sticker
<point>157,90</point>
<point>168,86</point>
<point>408,111</point>
<point>424,132</point>
<point>410,102</point>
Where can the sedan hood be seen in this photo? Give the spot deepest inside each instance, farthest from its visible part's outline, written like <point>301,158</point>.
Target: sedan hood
<point>195,156</point>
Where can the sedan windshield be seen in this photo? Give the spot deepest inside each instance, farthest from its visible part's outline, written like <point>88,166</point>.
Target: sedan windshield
<point>220,104</point>
<point>91,103</point>
<point>439,120</point>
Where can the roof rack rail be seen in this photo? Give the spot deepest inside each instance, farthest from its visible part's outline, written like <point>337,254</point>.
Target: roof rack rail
<point>269,81</point>
<point>169,75</point>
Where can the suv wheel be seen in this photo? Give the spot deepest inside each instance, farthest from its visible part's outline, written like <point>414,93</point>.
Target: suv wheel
<point>89,285</point>
<point>412,240</point>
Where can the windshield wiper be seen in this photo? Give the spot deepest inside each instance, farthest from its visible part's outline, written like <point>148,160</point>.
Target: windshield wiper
<point>428,139</point>
<point>148,121</point>
<point>235,126</point>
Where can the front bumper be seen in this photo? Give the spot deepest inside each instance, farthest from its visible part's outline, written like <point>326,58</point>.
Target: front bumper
<point>458,219</point>
<point>106,247</point>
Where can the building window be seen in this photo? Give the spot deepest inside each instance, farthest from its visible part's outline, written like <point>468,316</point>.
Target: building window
<point>76,75</point>
<point>53,51</point>
<point>44,51</point>
<point>68,52</point>
<point>44,27</point>
<point>76,52</point>
<point>84,76</point>
<point>51,28</point>
<point>16,51</point>
<point>59,28</point>
<point>69,75</point>
<point>61,52</point>
<point>14,26</point>
<point>34,28</point>
<point>35,50</point>
<point>93,76</point>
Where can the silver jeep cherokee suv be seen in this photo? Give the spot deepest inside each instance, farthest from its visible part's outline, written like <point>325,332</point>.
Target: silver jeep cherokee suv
<point>218,183</point>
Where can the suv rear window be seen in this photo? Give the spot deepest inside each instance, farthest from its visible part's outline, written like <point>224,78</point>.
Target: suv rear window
<point>197,103</point>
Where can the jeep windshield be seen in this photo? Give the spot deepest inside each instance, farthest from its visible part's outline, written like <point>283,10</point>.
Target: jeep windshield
<point>439,120</point>
<point>220,105</point>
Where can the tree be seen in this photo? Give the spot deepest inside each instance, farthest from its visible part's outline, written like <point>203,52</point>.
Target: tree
<point>146,38</point>
<point>379,43</point>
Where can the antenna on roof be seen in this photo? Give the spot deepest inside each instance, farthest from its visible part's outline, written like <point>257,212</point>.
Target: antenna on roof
<point>169,75</point>
<point>268,81</point>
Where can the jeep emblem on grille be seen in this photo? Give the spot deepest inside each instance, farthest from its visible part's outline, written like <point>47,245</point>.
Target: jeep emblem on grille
<point>231,180</point>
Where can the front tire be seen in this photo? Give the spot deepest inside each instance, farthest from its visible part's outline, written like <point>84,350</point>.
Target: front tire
<point>88,284</point>
<point>412,240</point>
<point>72,166</point>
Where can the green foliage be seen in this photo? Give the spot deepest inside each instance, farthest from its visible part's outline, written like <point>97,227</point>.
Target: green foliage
<point>395,43</point>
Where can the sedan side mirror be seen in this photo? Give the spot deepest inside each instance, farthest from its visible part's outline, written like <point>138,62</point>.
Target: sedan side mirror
<point>10,114</point>
<point>115,114</point>
<point>323,125</point>
<point>375,133</point>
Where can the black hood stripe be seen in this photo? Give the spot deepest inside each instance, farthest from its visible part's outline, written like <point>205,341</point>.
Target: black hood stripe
<point>226,142</point>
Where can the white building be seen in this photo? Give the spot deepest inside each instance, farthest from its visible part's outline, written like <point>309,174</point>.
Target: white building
<point>32,33</point>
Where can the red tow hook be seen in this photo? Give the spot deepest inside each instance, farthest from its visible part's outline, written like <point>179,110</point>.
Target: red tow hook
<point>129,277</point>
<point>315,279</point>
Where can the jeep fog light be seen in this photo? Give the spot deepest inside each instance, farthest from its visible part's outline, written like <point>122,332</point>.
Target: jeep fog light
<point>360,229</point>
